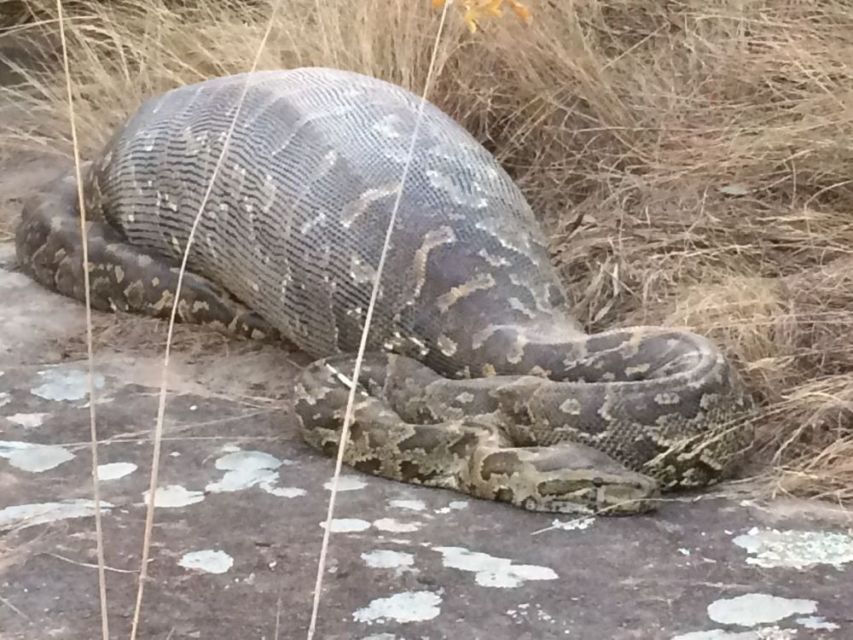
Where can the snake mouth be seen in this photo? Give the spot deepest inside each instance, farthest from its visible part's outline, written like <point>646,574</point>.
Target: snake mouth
<point>597,501</point>
<point>596,494</point>
<point>626,499</point>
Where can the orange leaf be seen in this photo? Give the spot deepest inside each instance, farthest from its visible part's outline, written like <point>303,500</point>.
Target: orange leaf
<point>470,19</point>
<point>520,10</point>
<point>491,8</point>
<point>476,10</point>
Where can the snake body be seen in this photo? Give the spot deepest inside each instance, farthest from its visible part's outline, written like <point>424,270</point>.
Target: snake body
<point>477,378</point>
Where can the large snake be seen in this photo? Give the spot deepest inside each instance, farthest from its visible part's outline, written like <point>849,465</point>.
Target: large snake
<point>476,378</point>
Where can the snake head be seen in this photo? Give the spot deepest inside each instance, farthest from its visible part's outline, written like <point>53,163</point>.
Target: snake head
<point>595,493</point>
<point>564,478</point>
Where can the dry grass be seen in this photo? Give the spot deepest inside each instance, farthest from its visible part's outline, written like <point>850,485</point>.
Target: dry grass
<point>706,144</point>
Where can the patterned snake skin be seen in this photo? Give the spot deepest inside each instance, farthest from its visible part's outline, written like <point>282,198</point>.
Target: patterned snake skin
<point>477,378</point>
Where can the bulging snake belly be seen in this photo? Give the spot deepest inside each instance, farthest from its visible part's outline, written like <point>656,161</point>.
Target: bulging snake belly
<point>477,378</point>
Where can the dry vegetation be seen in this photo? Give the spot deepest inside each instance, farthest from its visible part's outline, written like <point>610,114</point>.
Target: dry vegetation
<point>708,145</point>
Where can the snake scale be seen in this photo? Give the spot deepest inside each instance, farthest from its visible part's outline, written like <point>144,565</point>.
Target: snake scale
<point>477,378</point>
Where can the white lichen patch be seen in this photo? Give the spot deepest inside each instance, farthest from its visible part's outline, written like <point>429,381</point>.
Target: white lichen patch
<point>761,633</point>
<point>772,548</point>
<point>285,492</point>
<point>347,483</point>
<point>408,606</point>
<point>30,515</point>
<point>816,622</point>
<point>410,505</point>
<point>395,526</point>
<point>243,470</point>
<point>347,525</point>
<point>115,470</point>
<point>32,457</point>
<point>5,398</point>
<point>388,559</point>
<point>491,571</point>
<point>27,420</point>
<point>65,384</point>
<point>753,609</point>
<point>207,560</point>
<point>247,469</point>
<point>174,496</point>
<point>575,524</point>
<point>524,613</point>
<point>453,505</point>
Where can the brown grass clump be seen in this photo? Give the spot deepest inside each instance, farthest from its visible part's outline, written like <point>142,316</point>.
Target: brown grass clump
<point>706,147</point>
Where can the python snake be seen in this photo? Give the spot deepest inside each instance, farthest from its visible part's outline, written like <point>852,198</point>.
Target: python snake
<point>477,377</point>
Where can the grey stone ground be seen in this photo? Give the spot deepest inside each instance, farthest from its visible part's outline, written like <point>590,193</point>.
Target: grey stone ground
<point>238,532</point>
